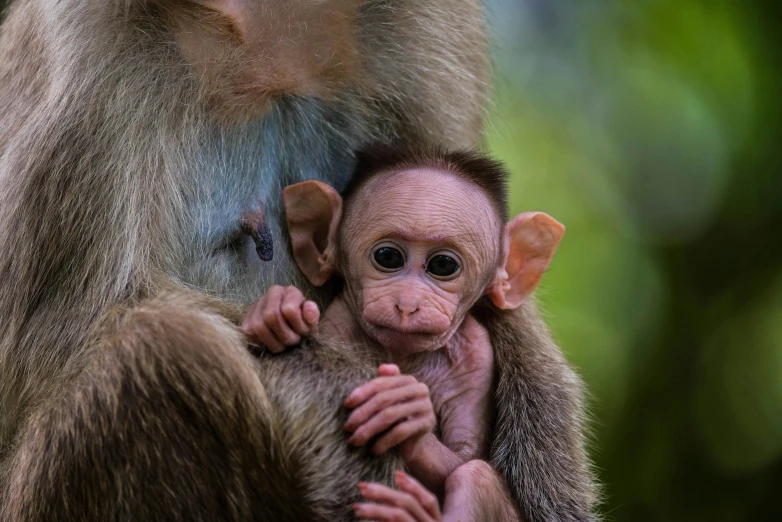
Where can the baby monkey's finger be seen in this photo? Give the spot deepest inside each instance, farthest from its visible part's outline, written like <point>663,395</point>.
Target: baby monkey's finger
<point>311,314</point>
<point>388,370</point>
<point>425,497</point>
<point>291,308</point>
<point>377,385</point>
<point>276,322</point>
<point>247,322</point>
<point>381,513</point>
<point>383,400</point>
<point>392,497</point>
<point>412,427</point>
<point>254,314</point>
<point>399,413</point>
<point>266,338</point>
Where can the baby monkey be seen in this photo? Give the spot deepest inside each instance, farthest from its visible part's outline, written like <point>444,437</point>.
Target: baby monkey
<point>417,239</point>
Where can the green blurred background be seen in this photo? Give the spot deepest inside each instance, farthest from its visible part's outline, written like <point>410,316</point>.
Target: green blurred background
<point>652,128</point>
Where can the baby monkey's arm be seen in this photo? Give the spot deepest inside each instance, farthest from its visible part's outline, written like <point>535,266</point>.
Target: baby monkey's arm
<point>280,318</point>
<point>460,380</point>
<point>399,410</point>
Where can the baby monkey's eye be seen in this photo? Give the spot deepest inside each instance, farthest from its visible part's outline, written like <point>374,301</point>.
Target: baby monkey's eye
<point>389,258</point>
<point>442,265</point>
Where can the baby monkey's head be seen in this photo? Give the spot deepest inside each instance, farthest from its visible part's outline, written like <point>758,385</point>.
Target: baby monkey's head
<point>418,238</point>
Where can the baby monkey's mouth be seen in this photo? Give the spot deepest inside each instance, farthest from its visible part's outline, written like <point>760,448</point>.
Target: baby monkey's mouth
<point>403,333</point>
<point>406,339</point>
<point>404,330</point>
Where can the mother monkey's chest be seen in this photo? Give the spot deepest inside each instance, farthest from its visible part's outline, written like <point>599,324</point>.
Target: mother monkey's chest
<point>283,91</point>
<point>238,244</point>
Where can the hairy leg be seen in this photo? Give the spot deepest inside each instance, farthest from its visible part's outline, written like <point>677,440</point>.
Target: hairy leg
<point>169,421</point>
<point>172,419</point>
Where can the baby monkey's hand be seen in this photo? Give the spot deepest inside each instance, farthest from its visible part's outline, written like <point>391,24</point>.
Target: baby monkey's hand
<point>393,402</point>
<point>280,318</point>
<point>410,503</point>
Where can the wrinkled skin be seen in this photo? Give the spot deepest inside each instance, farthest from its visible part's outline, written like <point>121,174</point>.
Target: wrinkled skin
<point>409,310</point>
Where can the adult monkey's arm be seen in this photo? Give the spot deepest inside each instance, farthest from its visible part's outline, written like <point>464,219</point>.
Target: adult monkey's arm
<point>539,440</point>
<point>173,419</point>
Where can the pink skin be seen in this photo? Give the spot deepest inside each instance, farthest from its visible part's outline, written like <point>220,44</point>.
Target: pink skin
<point>460,377</point>
<point>393,403</point>
<point>410,502</point>
<point>442,358</point>
<point>280,319</point>
<point>409,310</point>
<point>409,313</point>
<point>474,492</point>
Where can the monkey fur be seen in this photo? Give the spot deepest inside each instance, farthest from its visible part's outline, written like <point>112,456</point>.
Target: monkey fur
<point>126,392</point>
<point>260,447</point>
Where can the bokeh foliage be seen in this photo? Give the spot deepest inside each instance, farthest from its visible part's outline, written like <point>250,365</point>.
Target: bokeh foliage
<point>651,129</point>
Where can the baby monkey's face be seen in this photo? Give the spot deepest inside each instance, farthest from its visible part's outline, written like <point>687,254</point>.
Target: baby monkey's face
<point>419,249</point>
<point>416,249</point>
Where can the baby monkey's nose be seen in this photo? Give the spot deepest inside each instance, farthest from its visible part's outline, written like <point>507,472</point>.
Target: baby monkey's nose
<point>407,306</point>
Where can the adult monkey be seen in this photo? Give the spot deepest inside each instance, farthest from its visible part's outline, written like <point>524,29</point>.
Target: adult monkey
<point>141,139</point>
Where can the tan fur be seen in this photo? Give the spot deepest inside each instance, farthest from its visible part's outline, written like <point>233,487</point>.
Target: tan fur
<point>295,48</point>
<point>123,393</point>
<point>168,378</point>
<point>539,444</point>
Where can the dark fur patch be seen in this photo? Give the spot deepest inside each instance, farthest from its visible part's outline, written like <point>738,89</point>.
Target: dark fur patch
<point>488,174</point>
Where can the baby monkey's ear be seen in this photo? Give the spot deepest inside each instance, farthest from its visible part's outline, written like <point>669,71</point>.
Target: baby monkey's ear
<point>313,210</point>
<point>530,241</point>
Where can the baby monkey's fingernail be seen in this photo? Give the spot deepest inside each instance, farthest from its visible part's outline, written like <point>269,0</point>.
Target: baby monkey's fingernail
<point>310,312</point>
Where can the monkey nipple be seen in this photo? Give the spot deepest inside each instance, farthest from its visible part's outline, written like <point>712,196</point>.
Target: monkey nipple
<point>263,242</point>
<point>255,226</point>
